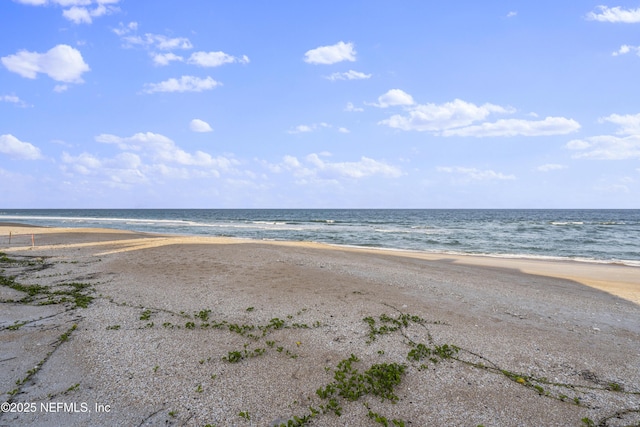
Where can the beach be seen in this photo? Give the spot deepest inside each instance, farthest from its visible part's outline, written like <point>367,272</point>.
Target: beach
<point>151,329</point>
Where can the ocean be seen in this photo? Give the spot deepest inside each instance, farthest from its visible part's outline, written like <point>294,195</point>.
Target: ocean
<point>600,235</point>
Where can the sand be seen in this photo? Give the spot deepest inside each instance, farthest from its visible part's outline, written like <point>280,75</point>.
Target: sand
<point>539,342</point>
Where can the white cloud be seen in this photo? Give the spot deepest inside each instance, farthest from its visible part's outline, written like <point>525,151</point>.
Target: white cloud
<point>79,11</point>
<point>629,123</point>
<point>315,168</point>
<point>512,14</point>
<point>15,148</point>
<point>62,63</point>
<point>155,41</point>
<point>308,128</point>
<point>343,130</point>
<point>158,42</point>
<point>615,14</point>
<point>184,84</point>
<point>609,147</point>
<point>516,127</point>
<point>338,52</point>
<point>301,129</point>
<point>624,49</point>
<point>360,169</point>
<point>458,118</point>
<point>550,167</point>
<point>162,149</point>
<point>165,58</point>
<point>125,29</point>
<point>475,174</point>
<point>394,97</point>
<point>352,108</point>
<point>198,125</point>
<point>14,100</point>
<point>436,118</point>
<point>215,59</point>
<point>60,88</point>
<point>349,75</point>
<point>606,147</point>
<point>120,171</point>
<point>83,15</point>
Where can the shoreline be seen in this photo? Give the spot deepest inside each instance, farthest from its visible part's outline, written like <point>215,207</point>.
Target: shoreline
<point>622,280</point>
<point>173,330</point>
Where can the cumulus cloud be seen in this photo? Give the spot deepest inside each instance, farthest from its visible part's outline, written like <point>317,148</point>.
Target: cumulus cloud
<point>62,63</point>
<point>150,40</point>
<point>550,167</point>
<point>183,84</point>
<point>475,174</point>
<point>215,59</point>
<point>198,125</point>
<point>122,171</point>
<point>606,147</point>
<point>338,52</point>
<point>611,147</point>
<point>161,48</point>
<point>460,118</point>
<point>162,148</point>
<point>435,118</point>
<point>629,123</point>
<point>615,14</point>
<point>309,128</point>
<point>394,97</point>
<point>123,30</point>
<point>15,148</point>
<point>352,108</point>
<point>79,11</point>
<point>624,49</point>
<point>349,75</point>
<point>13,100</point>
<point>516,127</point>
<point>313,167</point>
<point>360,169</point>
<point>158,41</point>
<point>165,58</point>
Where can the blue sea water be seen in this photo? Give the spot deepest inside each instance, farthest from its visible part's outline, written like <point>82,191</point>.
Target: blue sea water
<point>585,235</point>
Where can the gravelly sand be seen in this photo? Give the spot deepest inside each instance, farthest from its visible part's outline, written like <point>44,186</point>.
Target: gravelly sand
<point>577,333</point>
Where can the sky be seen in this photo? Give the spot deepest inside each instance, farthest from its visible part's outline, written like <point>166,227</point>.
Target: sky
<point>319,104</point>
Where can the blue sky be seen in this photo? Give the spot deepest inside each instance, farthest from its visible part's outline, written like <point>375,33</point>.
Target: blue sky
<point>284,104</point>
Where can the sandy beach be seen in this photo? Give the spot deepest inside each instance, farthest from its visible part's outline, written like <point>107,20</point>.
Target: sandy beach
<point>107,327</point>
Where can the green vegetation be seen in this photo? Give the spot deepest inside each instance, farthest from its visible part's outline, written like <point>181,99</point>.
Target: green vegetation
<point>353,379</point>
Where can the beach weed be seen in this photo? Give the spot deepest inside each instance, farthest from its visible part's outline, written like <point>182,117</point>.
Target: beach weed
<point>379,380</point>
<point>588,422</point>
<point>73,388</point>
<point>613,386</point>
<point>203,315</point>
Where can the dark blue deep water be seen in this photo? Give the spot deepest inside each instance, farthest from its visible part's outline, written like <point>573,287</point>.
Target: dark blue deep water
<point>587,235</point>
